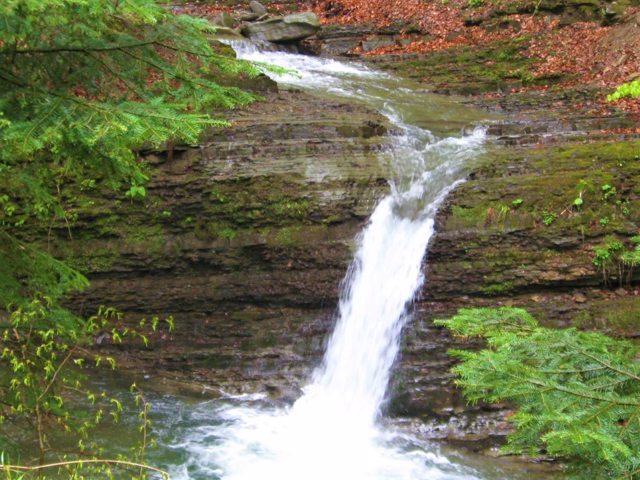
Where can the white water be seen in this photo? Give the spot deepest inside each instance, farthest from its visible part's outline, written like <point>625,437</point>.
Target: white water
<point>333,431</point>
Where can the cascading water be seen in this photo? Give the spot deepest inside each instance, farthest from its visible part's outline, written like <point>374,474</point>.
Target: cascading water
<point>333,430</point>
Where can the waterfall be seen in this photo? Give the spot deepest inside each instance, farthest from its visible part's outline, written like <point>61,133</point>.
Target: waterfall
<point>333,431</point>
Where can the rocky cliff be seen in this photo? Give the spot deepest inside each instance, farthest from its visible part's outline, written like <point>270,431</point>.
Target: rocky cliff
<point>245,239</point>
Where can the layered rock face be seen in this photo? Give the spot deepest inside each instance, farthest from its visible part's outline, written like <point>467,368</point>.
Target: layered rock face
<point>514,235</point>
<point>246,238</point>
<point>243,240</point>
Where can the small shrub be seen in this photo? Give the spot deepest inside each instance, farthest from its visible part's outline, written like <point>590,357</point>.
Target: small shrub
<point>631,89</point>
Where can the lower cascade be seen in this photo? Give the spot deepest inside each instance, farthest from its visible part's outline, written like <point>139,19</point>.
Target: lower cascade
<point>335,430</point>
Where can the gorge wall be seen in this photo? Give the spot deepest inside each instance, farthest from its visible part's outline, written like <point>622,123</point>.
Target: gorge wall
<point>245,239</point>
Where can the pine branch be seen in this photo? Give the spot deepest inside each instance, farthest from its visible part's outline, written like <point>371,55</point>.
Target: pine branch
<point>575,393</point>
<point>84,49</point>
<point>608,365</point>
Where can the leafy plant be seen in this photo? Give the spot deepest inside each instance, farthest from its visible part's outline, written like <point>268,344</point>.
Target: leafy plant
<point>577,394</point>
<point>631,89</point>
<point>607,259</point>
<point>548,217</point>
<point>582,187</point>
<point>608,191</point>
<point>136,192</point>
<point>631,258</point>
<point>476,3</point>
<point>44,349</point>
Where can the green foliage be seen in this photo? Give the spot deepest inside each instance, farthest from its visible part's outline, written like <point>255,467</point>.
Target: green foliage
<point>84,87</point>
<point>577,393</point>
<point>614,260</point>
<point>582,187</point>
<point>606,258</point>
<point>608,191</point>
<point>549,217</point>
<point>631,258</point>
<point>631,89</point>
<point>476,3</point>
<point>44,349</point>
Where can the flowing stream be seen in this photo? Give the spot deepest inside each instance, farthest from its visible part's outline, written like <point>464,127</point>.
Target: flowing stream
<point>334,430</point>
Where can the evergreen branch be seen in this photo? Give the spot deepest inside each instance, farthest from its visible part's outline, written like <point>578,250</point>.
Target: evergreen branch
<point>589,417</point>
<point>608,365</point>
<point>631,475</point>
<point>138,91</point>
<point>576,393</point>
<point>584,370</point>
<point>191,52</point>
<point>84,49</point>
<point>41,120</point>
<point>97,106</point>
<point>12,82</point>
<point>173,73</point>
<point>636,415</point>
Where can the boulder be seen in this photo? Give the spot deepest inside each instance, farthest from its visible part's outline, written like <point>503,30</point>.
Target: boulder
<point>284,29</point>
<point>223,20</point>
<point>244,16</point>
<point>257,7</point>
<point>227,33</point>
<point>377,41</point>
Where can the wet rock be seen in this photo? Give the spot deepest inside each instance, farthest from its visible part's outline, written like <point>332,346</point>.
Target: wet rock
<point>244,240</point>
<point>223,19</point>
<point>579,298</point>
<point>377,41</point>
<point>247,16</point>
<point>227,33</point>
<point>338,40</point>
<point>284,29</point>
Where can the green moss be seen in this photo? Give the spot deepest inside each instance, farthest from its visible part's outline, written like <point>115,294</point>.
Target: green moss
<point>470,216</point>
<point>548,183</point>
<point>620,316</point>
<point>470,70</point>
<point>288,235</point>
<point>496,289</point>
<point>259,201</point>
<point>215,230</point>
<point>100,259</point>
<point>150,238</point>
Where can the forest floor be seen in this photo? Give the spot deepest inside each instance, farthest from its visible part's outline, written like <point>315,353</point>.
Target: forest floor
<point>511,47</point>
